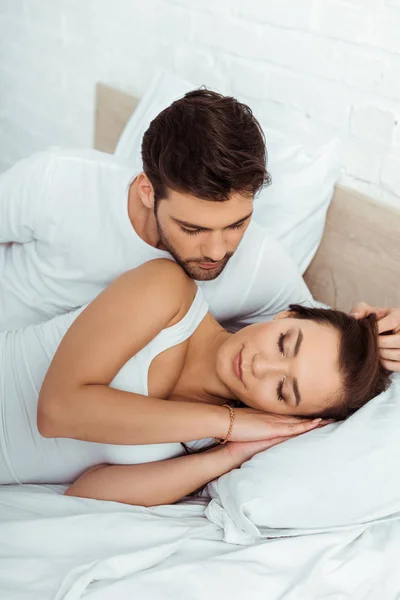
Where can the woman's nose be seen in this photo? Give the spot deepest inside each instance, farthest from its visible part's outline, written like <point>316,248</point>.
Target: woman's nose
<point>263,366</point>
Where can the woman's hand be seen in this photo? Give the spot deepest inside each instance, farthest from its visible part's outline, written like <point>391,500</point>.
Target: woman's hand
<point>167,481</point>
<point>253,425</point>
<point>240,452</point>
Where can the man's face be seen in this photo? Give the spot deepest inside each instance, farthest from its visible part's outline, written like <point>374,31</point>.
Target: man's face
<point>200,234</point>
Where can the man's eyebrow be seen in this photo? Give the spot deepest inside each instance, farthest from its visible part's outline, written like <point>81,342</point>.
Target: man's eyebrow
<point>298,342</point>
<point>296,391</point>
<point>193,226</point>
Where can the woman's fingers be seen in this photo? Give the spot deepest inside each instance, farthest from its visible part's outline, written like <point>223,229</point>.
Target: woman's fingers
<point>288,418</point>
<point>265,444</point>
<point>274,442</point>
<point>243,451</point>
<point>291,429</point>
<point>293,420</point>
<point>252,426</point>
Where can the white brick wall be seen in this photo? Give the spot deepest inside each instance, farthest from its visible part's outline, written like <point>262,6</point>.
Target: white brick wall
<point>311,67</point>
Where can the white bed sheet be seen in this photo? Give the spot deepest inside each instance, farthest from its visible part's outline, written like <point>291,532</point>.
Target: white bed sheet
<point>61,548</point>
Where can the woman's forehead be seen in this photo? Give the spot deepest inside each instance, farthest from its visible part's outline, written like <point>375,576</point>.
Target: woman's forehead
<point>318,366</point>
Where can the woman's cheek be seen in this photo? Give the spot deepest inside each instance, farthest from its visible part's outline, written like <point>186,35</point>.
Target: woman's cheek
<point>262,397</point>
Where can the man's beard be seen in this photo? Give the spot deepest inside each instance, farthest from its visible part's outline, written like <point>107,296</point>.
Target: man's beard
<point>191,266</point>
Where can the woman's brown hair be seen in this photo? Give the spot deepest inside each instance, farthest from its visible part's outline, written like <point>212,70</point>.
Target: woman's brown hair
<point>363,376</point>
<point>207,145</point>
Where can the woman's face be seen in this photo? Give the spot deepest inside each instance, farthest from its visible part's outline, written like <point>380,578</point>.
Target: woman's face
<point>286,366</point>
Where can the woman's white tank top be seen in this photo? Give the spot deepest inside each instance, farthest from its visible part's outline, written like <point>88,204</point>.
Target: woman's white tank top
<point>25,356</point>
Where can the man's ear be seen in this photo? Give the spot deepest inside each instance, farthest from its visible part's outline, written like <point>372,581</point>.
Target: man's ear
<point>283,315</point>
<point>146,190</point>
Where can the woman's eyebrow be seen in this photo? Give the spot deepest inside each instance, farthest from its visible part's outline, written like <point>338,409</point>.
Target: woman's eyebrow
<point>294,383</point>
<point>296,391</point>
<point>298,342</point>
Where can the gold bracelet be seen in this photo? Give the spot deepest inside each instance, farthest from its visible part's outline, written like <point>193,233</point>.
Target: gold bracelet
<point>231,422</point>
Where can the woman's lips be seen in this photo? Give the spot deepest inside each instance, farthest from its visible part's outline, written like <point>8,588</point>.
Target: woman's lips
<point>237,365</point>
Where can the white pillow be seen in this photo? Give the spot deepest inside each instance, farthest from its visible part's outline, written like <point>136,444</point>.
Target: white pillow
<point>341,475</point>
<point>294,207</point>
<point>164,89</point>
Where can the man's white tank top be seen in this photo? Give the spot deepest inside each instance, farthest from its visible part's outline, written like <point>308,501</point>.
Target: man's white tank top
<point>25,356</point>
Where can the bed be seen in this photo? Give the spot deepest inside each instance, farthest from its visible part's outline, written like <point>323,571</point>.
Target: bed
<point>58,548</point>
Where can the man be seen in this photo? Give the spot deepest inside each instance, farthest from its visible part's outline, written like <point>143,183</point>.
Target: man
<point>72,221</point>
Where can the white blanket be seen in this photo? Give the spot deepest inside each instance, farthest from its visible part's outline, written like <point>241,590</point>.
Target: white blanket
<point>54,547</point>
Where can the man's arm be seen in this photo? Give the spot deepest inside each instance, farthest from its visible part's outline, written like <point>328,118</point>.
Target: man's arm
<point>23,190</point>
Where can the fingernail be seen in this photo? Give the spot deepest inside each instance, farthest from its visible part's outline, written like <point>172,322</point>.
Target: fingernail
<point>355,314</point>
<point>315,421</point>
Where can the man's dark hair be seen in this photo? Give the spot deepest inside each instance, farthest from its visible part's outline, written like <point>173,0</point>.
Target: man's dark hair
<point>207,145</point>
<point>363,376</point>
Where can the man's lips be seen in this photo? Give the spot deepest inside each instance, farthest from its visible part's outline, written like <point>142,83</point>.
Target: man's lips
<point>237,365</point>
<point>209,265</point>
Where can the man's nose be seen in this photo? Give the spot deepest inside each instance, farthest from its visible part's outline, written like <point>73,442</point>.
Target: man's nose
<point>263,366</point>
<point>215,248</point>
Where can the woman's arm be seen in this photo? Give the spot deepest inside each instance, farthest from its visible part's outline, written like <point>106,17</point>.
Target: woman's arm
<point>164,482</point>
<point>76,401</point>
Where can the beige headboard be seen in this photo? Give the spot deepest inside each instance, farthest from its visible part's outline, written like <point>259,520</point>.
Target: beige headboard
<point>359,256</point>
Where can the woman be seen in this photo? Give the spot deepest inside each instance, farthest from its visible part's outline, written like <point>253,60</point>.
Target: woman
<point>90,397</point>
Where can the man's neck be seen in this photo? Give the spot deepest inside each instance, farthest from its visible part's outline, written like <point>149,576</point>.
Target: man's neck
<point>141,217</point>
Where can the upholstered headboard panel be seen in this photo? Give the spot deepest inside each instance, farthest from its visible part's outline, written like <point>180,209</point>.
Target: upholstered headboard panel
<point>359,257</point>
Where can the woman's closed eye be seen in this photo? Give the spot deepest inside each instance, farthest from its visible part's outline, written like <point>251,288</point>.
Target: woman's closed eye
<point>279,390</point>
<point>281,347</point>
